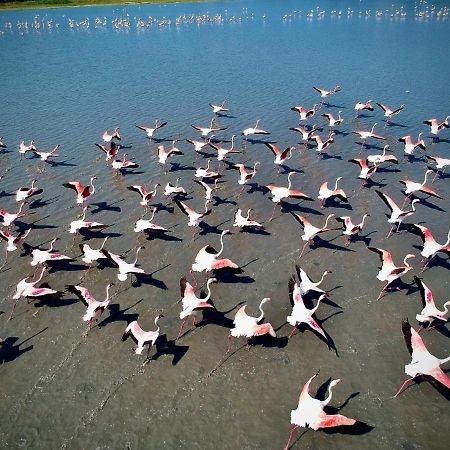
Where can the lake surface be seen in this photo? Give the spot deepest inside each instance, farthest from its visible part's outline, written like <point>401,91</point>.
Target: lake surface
<point>69,74</point>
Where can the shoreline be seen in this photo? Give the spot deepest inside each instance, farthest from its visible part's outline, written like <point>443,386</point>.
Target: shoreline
<point>26,5</point>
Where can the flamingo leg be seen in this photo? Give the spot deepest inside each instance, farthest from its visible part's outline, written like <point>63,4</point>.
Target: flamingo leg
<point>181,328</point>
<point>6,259</point>
<point>426,264</point>
<point>229,344</point>
<point>11,316</point>
<point>303,249</point>
<point>288,444</point>
<point>347,241</point>
<point>292,332</point>
<point>403,385</point>
<point>382,291</point>
<point>273,212</point>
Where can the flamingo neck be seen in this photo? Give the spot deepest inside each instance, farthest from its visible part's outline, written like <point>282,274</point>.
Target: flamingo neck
<point>425,178</point>
<point>137,253</point>
<point>318,304</point>
<point>107,292</point>
<point>153,214</point>
<point>330,395</point>
<point>335,185</point>
<point>103,243</point>
<point>323,276</point>
<point>92,186</point>
<point>261,316</point>
<point>328,218</point>
<point>40,277</point>
<point>248,213</point>
<point>51,244</point>
<point>448,239</point>
<point>289,180</point>
<point>208,287</point>
<point>206,206</point>
<point>84,213</point>
<point>221,244</point>
<point>232,141</point>
<point>362,221</point>
<point>405,261</point>
<point>443,361</point>
<point>156,323</point>
<point>371,131</point>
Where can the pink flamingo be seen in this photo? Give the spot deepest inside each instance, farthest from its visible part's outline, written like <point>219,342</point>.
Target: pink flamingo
<point>332,121</point>
<point>390,113</point>
<point>124,267</point>
<point>149,131</point>
<point>83,192</point>
<point>110,152</point>
<point>360,106</point>
<point>351,229</point>
<point>410,145</point>
<point>382,158</point>
<point>46,155</point>
<point>25,192</point>
<point>78,224</point>
<point>140,337</point>
<point>366,171</point>
<point>92,254</point>
<point>42,256</point>
<point>147,224</point>
<point>123,164</point>
<point>325,193</point>
<point>412,187</point>
<point>306,135</point>
<point>146,196</point>
<point>441,163</point>
<point>437,126</point>
<point>207,130</point>
<point>430,246</point>
<point>218,109</point>
<point>254,130</point>
<point>9,218</point>
<point>304,113</point>
<point>108,137</point>
<point>242,222</point>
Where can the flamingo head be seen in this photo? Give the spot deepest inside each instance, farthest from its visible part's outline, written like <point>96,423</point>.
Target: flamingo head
<point>335,382</point>
<point>408,256</point>
<point>224,232</point>
<point>265,300</point>
<point>159,316</point>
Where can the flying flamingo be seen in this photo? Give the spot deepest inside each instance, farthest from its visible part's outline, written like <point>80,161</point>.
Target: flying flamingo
<point>364,135</point>
<point>174,189</point>
<point>207,258</point>
<point>10,218</point>
<point>83,192</point>
<point>92,254</point>
<point>77,224</point>
<point>218,109</point>
<point>191,303</point>
<point>146,196</point>
<point>389,272</point>
<point>94,308</point>
<point>306,134</point>
<point>140,337</point>
<point>147,224</point>
<point>300,313</point>
<point>304,113</point>
<point>437,126</point>
<point>163,154</point>
<point>254,130</point>
<point>2,144</point>
<point>351,229</point>
<point>13,241</point>
<point>332,121</point>
<point>249,326</point>
<point>410,145</point>
<point>43,256</point>
<point>26,289</point>
<point>194,217</point>
<point>390,113</point>
<point>310,412</point>
<point>25,192</point>
<point>110,152</point>
<point>441,163</point>
<point>208,189</point>
<point>108,137</point>
<point>123,164</point>
<point>46,155</point>
<point>307,285</point>
<point>243,222</point>
<point>280,156</point>
<point>149,131</point>
<point>309,230</point>
<point>325,193</point>
<point>23,148</point>
<point>381,158</point>
<point>207,130</point>
<point>124,267</point>
<point>423,364</point>
<point>366,171</point>
<point>360,106</point>
<point>398,215</point>
<point>222,152</point>
<point>324,93</point>
<point>198,145</point>
<point>323,145</point>
<point>430,312</point>
<point>430,246</point>
<point>412,187</point>
<point>201,172</point>
<point>245,174</point>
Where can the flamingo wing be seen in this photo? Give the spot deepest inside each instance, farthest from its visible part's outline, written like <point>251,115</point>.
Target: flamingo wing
<point>439,375</point>
<point>186,288</point>
<point>265,328</point>
<point>76,185</point>
<point>273,148</point>
<point>39,292</point>
<point>425,293</point>
<point>333,420</point>
<point>315,326</point>
<point>385,256</point>
<point>388,201</point>
<point>302,220</point>
<point>222,263</point>
<point>82,293</point>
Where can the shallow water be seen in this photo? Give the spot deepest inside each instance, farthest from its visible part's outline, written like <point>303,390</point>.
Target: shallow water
<point>67,85</point>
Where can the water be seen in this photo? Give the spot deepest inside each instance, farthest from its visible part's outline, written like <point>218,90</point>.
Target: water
<point>67,84</point>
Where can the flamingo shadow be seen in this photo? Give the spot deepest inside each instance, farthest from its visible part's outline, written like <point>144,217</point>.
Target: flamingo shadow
<point>165,347</point>
<point>10,351</point>
<point>118,315</point>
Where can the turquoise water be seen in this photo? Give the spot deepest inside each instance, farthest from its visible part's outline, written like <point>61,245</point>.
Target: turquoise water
<point>64,82</point>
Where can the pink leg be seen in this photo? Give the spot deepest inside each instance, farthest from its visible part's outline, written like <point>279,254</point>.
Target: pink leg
<point>382,291</point>
<point>273,212</point>
<point>294,330</point>
<point>229,344</point>
<point>181,328</point>
<point>403,385</point>
<point>288,444</point>
<point>11,316</point>
<point>347,241</point>
<point>426,264</point>
<point>303,249</point>
<point>194,321</point>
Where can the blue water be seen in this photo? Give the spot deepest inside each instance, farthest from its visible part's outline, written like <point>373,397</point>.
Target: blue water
<point>64,82</point>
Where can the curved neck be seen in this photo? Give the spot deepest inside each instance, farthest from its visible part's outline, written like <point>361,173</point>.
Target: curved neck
<point>425,178</point>
<point>330,394</point>
<point>153,214</point>
<point>326,222</point>
<point>232,141</point>
<point>137,253</point>
<point>107,292</point>
<point>254,167</point>
<point>206,206</point>
<point>335,185</point>
<point>318,304</point>
<point>51,244</point>
<point>371,131</point>
<point>289,180</point>
<point>156,323</point>
<point>32,184</point>
<point>221,244</point>
<point>323,276</point>
<point>20,208</point>
<point>384,149</point>
<point>40,277</point>
<point>83,216</point>
<point>92,185</point>
<point>448,240</point>
<point>248,213</point>
<point>363,219</point>
<point>405,261</point>
<point>261,317</point>
<point>208,284</point>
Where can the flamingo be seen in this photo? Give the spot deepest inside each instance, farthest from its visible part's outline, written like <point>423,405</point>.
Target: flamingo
<point>430,246</point>
<point>249,326</point>
<point>207,258</point>
<point>14,241</point>
<point>430,312</point>
<point>124,267</point>
<point>322,145</point>
<point>325,193</point>
<point>9,218</point>
<point>390,113</point>
<point>300,313</point>
<point>108,137</point>
<point>94,308</point>
<point>207,130</point>
<point>246,174</point>
<point>410,145</point>
<point>218,109</point>
<point>423,364</point>
<point>110,152</point>
<point>412,187</point>
<point>146,196</point>
<point>351,229</point>
<point>77,224</point>
<point>381,158</point>
<point>366,171</point>
<point>2,144</point>
<point>242,222</point>
<point>25,192</point>
<point>254,130</point>
<point>194,217</point>
<point>23,148</point>
<point>208,189</point>
<point>201,172</point>
<point>149,131</point>
<point>42,256</point>
<point>324,93</point>
<point>437,126</point>
<point>198,145</point>
<point>307,285</point>
<point>332,122</point>
<point>310,231</point>
<point>310,412</point>
<point>141,337</point>
<point>191,303</point>
<point>389,272</point>
<point>364,135</point>
<point>146,224</point>
<point>163,154</point>
<point>222,152</point>
<point>46,155</point>
<point>441,163</point>
<point>117,164</point>
<point>280,157</point>
<point>26,289</point>
<point>83,192</point>
<point>360,106</point>
<point>304,113</point>
<point>171,189</point>
<point>398,215</point>
<point>91,254</point>
<point>306,135</point>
